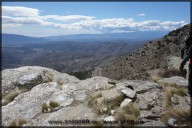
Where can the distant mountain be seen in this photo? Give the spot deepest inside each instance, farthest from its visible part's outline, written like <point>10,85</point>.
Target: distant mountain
<point>71,52</point>
<point>131,36</point>
<point>14,38</point>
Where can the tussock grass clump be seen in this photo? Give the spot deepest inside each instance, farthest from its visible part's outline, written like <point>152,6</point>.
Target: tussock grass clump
<point>129,113</point>
<point>182,116</point>
<point>59,82</point>
<point>100,104</point>
<point>170,92</point>
<point>19,122</point>
<point>44,108</point>
<point>53,104</point>
<point>49,77</point>
<point>10,97</point>
<point>131,109</point>
<point>154,79</point>
<point>92,99</point>
<point>117,101</point>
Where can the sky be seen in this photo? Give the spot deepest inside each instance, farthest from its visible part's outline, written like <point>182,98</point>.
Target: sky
<point>40,19</point>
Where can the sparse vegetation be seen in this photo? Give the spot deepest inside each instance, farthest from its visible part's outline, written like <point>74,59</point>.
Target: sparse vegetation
<point>59,82</point>
<point>92,98</point>
<point>173,72</point>
<point>182,116</point>
<point>19,122</point>
<point>10,97</point>
<point>117,101</point>
<point>129,112</point>
<point>44,108</point>
<point>53,104</point>
<point>170,92</point>
<point>82,75</point>
<point>50,77</point>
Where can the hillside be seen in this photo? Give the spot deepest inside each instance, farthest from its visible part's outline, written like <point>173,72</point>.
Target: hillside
<point>65,56</point>
<point>38,96</point>
<point>153,55</point>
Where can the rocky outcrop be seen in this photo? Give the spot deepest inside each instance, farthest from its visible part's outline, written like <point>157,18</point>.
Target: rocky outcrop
<point>58,99</point>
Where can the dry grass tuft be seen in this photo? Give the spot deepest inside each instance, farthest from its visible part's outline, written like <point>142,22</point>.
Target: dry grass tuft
<point>49,77</point>
<point>173,72</point>
<point>170,92</point>
<point>10,97</point>
<point>129,113</point>
<point>44,108</point>
<point>92,98</point>
<point>117,101</point>
<point>60,83</point>
<point>182,116</point>
<point>19,122</point>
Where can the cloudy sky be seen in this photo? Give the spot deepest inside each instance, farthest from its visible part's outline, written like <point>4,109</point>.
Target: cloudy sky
<point>63,18</point>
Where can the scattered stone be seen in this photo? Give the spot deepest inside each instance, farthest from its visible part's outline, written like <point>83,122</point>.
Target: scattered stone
<point>109,119</point>
<point>125,102</point>
<point>177,80</point>
<point>171,122</point>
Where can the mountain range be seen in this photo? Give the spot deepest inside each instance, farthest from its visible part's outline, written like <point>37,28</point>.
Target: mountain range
<point>131,36</point>
<point>70,53</point>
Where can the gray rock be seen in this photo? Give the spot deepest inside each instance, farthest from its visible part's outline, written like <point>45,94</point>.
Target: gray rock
<point>148,100</point>
<point>80,95</point>
<point>129,93</point>
<point>28,105</point>
<point>142,86</point>
<point>29,79</point>
<point>180,81</point>
<point>180,102</point>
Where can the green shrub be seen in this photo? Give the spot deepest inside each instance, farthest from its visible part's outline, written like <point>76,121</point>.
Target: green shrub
<point>53,104</point>
<point>82,75</point>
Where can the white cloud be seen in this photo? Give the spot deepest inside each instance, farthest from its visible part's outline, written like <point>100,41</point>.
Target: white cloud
<point>141,14</point>
<point>20,16</point>
<point>19,11</point>
<point>67,18</point>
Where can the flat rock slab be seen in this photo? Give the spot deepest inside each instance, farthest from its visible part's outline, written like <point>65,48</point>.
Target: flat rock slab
<point>180,81</point>
<point>142,86</point>
<point>129,93</point>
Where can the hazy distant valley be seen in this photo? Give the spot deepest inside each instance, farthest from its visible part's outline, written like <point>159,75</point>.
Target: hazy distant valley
<point>70,53</point>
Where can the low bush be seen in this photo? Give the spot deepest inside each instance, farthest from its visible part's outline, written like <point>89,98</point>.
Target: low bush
<point>173,72</point>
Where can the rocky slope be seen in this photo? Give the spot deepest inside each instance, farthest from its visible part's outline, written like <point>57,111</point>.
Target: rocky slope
<point>38,96</point>
<point>154,54</point>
